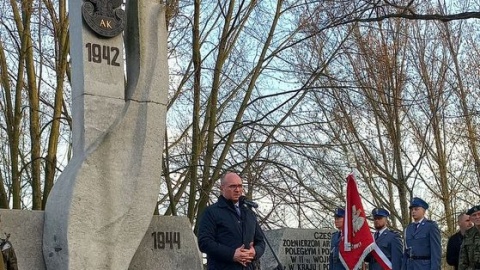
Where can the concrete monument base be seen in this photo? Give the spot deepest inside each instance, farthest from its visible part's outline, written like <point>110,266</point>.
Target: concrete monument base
<point>168,244</point>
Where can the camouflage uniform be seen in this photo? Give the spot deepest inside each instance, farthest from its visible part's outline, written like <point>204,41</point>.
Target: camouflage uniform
<point>470,250</point>
<point>9,257</point>
<point>2,264</point>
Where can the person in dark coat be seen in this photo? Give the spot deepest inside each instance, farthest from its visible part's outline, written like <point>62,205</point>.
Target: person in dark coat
<point>228,231</point>
<point>455,241</point>
<point>389,242</point>
<point>334,258</point>
<point>423,250</point>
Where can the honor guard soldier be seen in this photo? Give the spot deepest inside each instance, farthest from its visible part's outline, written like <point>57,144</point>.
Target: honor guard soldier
<point>334,259</point>
<point>470,249</point>
<point>422,240</point>
<point>387,240</point>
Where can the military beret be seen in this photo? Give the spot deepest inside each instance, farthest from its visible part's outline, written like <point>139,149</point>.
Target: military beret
<point>473,210</point>
<point>417,202</point>
<point>339,212</point>
<point>380,212</point>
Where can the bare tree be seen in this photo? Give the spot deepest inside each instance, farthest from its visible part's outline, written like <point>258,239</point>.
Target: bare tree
<point>385,104</point>
<point>27,68</point>
<point>292,95</point>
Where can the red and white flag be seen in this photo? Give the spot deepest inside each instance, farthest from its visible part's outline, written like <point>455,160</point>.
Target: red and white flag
<point>357,240</point>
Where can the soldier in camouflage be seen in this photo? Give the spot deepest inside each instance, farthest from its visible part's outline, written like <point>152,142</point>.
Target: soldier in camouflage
<point>470,249</point>
<point>8,255</point>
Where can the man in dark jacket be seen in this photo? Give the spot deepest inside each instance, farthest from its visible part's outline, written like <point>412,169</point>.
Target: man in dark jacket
<point>228,231</point>
<point>455,241</point>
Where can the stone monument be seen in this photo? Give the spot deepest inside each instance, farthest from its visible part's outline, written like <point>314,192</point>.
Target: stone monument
<point>102,204</point>
<point>298,249</point>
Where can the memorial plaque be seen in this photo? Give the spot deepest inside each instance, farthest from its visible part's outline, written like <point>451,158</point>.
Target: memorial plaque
<point>298,249</point>
<point>168,244</point>
<point>104,17</point>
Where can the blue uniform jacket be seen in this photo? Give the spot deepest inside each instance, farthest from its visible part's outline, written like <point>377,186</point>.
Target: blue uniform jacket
<point>221,231</point>
<point>334,259</point>
<point>423,250</point>
<point>391,245</point>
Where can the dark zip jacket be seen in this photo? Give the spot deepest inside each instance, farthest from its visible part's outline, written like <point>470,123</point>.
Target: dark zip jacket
<point>222,230</point>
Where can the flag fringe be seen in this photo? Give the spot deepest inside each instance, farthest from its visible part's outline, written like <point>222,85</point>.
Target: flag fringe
<point>367,250</point>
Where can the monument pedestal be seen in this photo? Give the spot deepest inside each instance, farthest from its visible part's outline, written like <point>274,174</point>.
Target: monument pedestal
<point>168,244</point>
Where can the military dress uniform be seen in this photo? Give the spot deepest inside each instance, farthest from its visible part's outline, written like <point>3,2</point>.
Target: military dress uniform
<point>334,258</point>
<point>423,249</point>
<point>470,249</point>
<point>389,242</point>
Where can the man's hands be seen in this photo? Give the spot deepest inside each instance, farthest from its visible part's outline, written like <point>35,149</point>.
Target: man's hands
<point>243,255</point>
<point>252,250</point>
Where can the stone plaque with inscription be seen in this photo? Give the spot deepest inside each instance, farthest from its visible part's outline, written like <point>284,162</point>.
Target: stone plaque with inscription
<point>168,244</point>
<point>298,249</point>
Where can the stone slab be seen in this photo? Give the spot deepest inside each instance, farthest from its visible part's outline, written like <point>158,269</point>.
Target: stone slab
<point>169,244</point>
<point>298,249</point>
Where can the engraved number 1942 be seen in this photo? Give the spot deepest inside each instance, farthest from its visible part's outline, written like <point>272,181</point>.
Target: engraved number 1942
<point>98,53</point>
